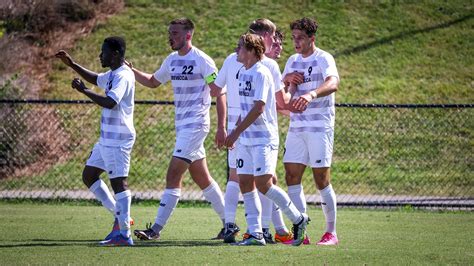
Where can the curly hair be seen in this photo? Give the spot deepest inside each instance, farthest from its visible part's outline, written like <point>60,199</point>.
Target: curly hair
<point>307,25</point>
<point>254,42</point>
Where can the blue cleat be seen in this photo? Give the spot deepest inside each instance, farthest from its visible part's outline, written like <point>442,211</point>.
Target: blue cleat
<point>118,240</point>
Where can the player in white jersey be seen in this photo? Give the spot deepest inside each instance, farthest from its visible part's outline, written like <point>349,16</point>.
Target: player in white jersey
<point>270,211</point>
<point>277,46</point>
<point>117,134</point>
<point>258,143</point>
<point>190,71</point>
<point>310,135</point>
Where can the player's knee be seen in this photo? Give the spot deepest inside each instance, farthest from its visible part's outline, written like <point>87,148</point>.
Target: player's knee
<point>292,178</point>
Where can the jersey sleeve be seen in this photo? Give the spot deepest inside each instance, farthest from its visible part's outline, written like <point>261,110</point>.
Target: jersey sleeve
<point>119,87</point>
<point>209,69</point>
<point>328,66</point>
<point>102,79</point>
<point>221,79</point>
<point>163,74</point>
<point>277,78</point>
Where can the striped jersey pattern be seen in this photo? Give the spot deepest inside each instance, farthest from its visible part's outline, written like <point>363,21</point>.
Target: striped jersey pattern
<point>319,116</point>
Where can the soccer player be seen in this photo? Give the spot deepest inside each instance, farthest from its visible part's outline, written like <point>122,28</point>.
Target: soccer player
<point>258,144</point>
<point>270,211</point>
<point>277,46</point>
<point>190,71</point>
<point>310,135</point>
<point>117,134</point>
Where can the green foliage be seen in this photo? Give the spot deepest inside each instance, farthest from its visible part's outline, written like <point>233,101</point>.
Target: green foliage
<point>57,234</point>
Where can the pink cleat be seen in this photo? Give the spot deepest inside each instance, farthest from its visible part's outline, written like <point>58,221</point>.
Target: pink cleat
<point>328,239</point>
<point>306,241</point>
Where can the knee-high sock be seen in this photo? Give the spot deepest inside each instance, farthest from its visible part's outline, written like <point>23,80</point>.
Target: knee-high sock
<point>277,219</point>
<point>124,199</point>
<point>213,194</point>
<point>266,210</point>
<point>168,202</point>
<point>329,206</point>
<point>296,194</point>
<point>281,199</point>
<point>231,201</point>
<point>102,194</point>
<point>253,210</point>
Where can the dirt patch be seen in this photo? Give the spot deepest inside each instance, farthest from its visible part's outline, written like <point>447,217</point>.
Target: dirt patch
<point>34,30</point>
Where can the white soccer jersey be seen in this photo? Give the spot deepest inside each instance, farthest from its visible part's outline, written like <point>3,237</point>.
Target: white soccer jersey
<point>116,127</point>
<point>192,97</point>
<point>320,113</point>
<point>274,68</point>
<point>255,84</point>
<point>228,79</point>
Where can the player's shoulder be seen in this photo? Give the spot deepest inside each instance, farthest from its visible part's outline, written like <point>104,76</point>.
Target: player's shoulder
<point>125,71</point>
<point>201,54</point>
<point>262,70</point>
<point>270,63</point>
<point>231,58</point>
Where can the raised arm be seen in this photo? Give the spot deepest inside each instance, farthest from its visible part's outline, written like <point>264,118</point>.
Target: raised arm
<point>85,73</point>
<point>103,101</point>
<point>146,79</point>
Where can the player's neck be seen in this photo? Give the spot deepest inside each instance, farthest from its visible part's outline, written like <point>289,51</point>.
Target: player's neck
<point>114,66</point>
<point>310,51</point>
<point>185,49</point>
<point>250,62</point>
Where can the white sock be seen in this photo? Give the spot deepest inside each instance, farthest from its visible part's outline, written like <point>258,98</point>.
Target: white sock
<point>213,194</point>
<point>168,202</point>
<point>277,219</point>
<point>253,209</point>
<point>328,204</point>
<point>296,194</point>
<point>102,194</point>
<point>232,192</point>
<point>267,205</point>
<point>124,199</point>
<point>281,199</point>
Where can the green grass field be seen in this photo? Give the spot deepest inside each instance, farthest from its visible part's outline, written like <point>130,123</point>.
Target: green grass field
<point>60,234</point>
<point>386,51</point>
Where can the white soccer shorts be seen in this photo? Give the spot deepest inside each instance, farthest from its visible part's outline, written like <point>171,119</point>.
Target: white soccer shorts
<point>115,161</point>
<point>312,149</point>
<point>190,145</point>
<point>256,160</point>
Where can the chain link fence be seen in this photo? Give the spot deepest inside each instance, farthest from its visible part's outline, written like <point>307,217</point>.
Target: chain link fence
<point>384,155</point>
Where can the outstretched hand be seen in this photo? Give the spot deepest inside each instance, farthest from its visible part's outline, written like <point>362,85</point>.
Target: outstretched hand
<point>65,57</point>
<point>129,64</point>
<point>78,85</point>
<point>293,78</point>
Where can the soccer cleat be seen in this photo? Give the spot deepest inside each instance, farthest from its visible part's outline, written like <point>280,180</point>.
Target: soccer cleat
<point>118,240</point>
<point>328,239</point>
<point>284,239</point>
<point>299,230</point>
<point>267,236</point>
<point>232,230</point>
<point>147,234</point>
<point>306,241</point>
<point>251,241</point>
<point>220,235</point>
<point>245,235</point>
<point>116,229</point>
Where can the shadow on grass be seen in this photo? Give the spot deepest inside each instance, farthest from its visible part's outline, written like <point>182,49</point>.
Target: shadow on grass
<point>95,243</point>
<point>388,39</point>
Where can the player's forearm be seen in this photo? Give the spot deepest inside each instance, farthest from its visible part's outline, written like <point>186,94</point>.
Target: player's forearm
<point>329,86</point>
<point>101,100</point>
<point>145,79</point>
<point>85,73</point>
<point>254,113</point>
<point>221,108</point>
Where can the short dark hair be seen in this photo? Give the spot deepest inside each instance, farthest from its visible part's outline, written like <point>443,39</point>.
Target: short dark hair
<point>307,25</point>
<point>186,22</point>
<point>116,43</point>
<point>279,35</point>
